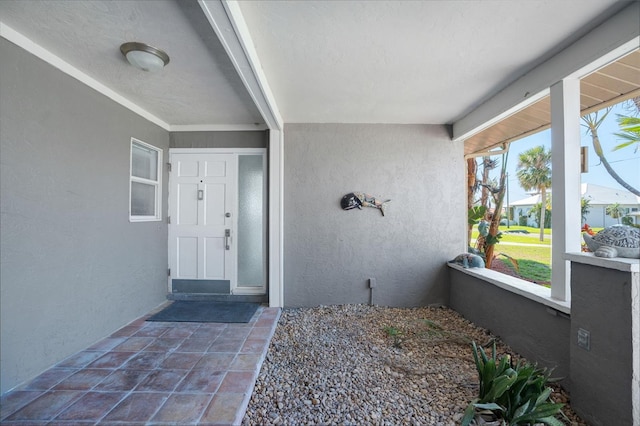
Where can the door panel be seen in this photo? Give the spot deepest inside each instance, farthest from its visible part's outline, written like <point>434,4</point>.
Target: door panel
<point>188,168</point>
<point>214,256</point>
<point>215,168</point>
<point>214,210</point>
<point>187,255</point>
<point>187,195</point>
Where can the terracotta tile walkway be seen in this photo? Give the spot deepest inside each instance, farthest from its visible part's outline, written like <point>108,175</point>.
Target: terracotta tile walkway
<point>151,373</point>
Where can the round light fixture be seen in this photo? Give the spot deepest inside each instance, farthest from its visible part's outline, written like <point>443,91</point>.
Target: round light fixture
<point>144,57</point>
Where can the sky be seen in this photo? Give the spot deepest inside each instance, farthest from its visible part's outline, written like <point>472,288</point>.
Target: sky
<point>625,161</point>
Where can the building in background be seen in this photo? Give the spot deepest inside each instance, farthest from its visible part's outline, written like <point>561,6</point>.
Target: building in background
<point>599,197</point>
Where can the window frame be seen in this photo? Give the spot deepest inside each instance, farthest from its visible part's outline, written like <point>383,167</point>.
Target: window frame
<point>157,184</point>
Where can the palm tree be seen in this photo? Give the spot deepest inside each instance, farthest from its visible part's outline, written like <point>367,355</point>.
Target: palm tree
<point>630,126</point>
<point>592,121</point>
<point>615,211</point>
<point>630,132</point>
<point>534,173</point>
<point>585,208</point>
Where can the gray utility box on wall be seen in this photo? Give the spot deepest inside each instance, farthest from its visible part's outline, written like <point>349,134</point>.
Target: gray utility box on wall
<point>605,339</point>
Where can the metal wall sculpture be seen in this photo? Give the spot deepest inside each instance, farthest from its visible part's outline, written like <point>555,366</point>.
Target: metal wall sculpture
<point>359,199</point>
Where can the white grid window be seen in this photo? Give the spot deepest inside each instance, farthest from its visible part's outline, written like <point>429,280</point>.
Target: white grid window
<point>145,182</point>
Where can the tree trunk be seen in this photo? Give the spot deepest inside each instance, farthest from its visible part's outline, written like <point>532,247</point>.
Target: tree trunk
<point>495,221</point>
<point>598,149</point>
<point>543,210</point>
<point>472,168</point>
<point>484,198</point>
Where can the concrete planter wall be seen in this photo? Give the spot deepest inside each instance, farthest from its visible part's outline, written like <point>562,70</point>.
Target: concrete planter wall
<point>535,331</point>
<point>596,348</point>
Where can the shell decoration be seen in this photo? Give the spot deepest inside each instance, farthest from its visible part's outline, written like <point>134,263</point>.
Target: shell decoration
<point>615,241</point>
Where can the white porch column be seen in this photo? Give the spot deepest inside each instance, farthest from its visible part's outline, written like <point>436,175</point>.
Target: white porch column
<point>228,22</point>
<point>276,210</point>
<point>565,195</point>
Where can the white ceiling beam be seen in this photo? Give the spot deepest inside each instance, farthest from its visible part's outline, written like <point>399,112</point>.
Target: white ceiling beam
<point>227,21</point>
<point>611,40</point>
<point>217,128</point>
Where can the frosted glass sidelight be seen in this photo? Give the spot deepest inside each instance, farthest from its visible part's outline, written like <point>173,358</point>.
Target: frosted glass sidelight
<point>250,221</point>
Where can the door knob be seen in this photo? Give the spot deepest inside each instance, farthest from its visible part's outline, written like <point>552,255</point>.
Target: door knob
<point>200,194</point>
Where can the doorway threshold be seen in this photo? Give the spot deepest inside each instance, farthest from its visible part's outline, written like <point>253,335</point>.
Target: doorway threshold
<point>248,298</point>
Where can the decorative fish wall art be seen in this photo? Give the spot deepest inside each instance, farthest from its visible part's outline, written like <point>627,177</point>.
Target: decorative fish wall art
<point>359,199</point>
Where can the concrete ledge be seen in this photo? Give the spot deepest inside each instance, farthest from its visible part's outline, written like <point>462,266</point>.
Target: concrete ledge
<point>618,263</point>
<point>518,286</point>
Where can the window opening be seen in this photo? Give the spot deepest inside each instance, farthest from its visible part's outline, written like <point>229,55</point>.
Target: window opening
<point>519,249</point>
<point>607,192</point>
<point>145,182</point>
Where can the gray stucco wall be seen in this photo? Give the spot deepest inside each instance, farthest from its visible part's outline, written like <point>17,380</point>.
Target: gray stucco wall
<point>601,304</point>
<point>536,332</point>
<point>330,253</point>
<point>231,139</point>
<point>73,268</point>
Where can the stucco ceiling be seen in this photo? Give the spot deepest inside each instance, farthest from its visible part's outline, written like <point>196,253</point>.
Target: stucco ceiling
<point>199,86</point>
<point>325,61</point>
<point>405,61</point>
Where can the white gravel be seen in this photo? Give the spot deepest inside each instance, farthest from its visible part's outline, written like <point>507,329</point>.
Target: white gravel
<point>340,365</point>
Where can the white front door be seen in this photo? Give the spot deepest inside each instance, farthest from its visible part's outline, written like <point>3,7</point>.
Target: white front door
<point>202,200</point>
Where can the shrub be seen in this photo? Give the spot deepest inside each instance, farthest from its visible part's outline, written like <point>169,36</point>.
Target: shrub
<point>522,220</point>
<point>511,394</point>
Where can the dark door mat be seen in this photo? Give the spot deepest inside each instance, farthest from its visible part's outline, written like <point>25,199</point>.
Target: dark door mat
<point>201,311</point>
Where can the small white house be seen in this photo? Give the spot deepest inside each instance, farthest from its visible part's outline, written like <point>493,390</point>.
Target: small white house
<point>600,197</point>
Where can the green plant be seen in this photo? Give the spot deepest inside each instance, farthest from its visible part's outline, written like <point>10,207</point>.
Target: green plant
<point>476,213</point>
<point>522,220</point>
<point>534,173</point>
<point>493,239</point>
<point>630,131</point>
<point>585,208</point>
<point>511,394</point>
<point>615,211</point>
<point>536,213</point>
<point>434,332</point>
<point>396,334</point>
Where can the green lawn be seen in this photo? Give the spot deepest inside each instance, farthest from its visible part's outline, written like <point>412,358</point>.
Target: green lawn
<point>529,229</point>
<point>540,255</point>
<point>534,262</point>
<point>509,235</point>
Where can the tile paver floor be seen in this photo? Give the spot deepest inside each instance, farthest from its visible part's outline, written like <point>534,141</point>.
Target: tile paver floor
<point>151,373</point>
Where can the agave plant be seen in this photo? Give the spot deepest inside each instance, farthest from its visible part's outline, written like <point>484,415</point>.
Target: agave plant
<point>510,394</point>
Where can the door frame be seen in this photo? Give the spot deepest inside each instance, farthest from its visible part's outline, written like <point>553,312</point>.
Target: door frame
<point>265,216</point>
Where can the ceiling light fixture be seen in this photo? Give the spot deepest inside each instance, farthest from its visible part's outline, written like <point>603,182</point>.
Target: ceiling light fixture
<point>144,57</point>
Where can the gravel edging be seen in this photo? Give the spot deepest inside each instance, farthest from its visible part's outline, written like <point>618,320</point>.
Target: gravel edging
<point>337,365</point>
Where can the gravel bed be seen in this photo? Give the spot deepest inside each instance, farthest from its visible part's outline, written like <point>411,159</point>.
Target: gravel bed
<point>341,365</point>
